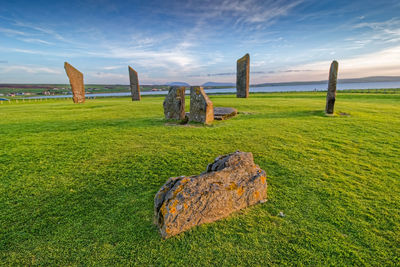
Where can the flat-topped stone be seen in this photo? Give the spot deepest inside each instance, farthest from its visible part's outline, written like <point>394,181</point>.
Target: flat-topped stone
<point>221,113</point>
<point>76,81</point>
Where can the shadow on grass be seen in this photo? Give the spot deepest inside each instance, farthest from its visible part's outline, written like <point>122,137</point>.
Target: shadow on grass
<point>80,125</point>
<point>283,114</point>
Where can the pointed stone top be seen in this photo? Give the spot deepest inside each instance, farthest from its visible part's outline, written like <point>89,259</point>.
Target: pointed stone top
<point>68,67</point>
<point>335,62</point>
<point>245,57</point>
<point>131,69</point>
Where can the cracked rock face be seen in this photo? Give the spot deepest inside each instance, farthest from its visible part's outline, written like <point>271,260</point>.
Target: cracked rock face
<point>232,182</point>
<point>174,103</point>
<point>76,81</point>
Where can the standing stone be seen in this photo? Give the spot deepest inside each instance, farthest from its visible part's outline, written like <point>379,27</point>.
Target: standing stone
<point>201,107</point>
<point>331,95</point>
<point>243,76</point>
<point>232,182</point>
<point>76,81</point>
<point>134,83</point>
<point>174,103</point>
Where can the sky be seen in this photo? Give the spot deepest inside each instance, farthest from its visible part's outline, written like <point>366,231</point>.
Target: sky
<point>197,41</point>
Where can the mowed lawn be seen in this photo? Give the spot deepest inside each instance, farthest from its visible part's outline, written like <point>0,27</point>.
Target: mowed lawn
<point>78,181</point>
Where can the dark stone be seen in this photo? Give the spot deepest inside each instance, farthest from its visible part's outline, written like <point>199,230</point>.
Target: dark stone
<point>134,84</point>
<point>243,76</point>
<point>224,113</point>
<point>174,103</point>
<point>201,107</point>
<point>76,81</point>
<point>331,95</point>
<point>232,182</point>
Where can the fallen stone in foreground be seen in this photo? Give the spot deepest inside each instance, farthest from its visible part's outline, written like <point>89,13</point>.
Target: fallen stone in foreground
<point>76,81</point>
<point>232,182</point>
<point>224,113</point>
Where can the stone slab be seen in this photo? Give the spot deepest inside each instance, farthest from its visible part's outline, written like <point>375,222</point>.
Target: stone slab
<point>230,183</point>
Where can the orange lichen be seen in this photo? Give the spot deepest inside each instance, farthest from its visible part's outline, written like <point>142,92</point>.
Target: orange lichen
<point>232,186</point>
<point>163,209</point>
<point>256,195</point>
<point>177,190</point>
<point>240,191</point>
<point>185,205</point>
<point>263,179</point>
<point>172,208</point>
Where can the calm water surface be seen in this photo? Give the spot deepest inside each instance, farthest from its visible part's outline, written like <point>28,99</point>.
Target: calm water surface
<point>266,89</point>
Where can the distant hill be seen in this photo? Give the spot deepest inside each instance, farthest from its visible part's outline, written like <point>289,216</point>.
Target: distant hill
<point>178,84</point>
<point>351,80</point>
<point>371,79</point>
<point>217,84</point>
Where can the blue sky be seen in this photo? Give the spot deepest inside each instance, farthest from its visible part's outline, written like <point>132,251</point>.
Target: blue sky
<point>197,41</point>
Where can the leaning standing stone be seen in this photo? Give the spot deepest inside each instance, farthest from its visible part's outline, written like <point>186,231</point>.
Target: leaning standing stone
<point>242,76</point>
<point>201,107</point>
<point>174,103</point>
<point>232,182</point>
<point>331,95</point>
<point>134,84</point>
<point>76,81</point>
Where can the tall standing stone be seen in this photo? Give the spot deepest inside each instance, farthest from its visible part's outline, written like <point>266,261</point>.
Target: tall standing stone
<point>76,81</point>
<point>243,76</point>
<point>201,107</point>
<point>174,103</point>
<point>134,84</point>
<point>331,95</point>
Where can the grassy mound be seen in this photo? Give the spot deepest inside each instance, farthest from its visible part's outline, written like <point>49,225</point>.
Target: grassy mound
<point>77,181</point>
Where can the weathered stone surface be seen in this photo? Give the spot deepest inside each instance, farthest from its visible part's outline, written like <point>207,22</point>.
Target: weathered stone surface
<point>174,103</point>
<point>232,182</point>
<point>224,113</point>
<point>201,107</point>
<point>331,95</point>
<point>243,76</point>
<point>134,84</point>
<point>76,81</point>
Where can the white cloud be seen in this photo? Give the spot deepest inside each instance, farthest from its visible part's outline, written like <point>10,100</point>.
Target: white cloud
<point>32,69</point>
<point>383,63</point>
<point>34,40</point>
<point>380,32</point>
<point>13,32</point>
<point>46,31</point>
<point>112,67</point>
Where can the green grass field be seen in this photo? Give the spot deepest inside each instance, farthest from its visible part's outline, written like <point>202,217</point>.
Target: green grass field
<point>78,181</point>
